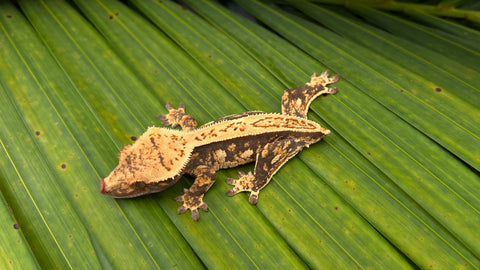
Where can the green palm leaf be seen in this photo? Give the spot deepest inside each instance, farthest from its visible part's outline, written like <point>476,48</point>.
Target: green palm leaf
<point>395,185</point>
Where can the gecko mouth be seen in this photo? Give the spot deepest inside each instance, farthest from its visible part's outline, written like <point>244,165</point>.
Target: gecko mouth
<point>138,189</point>
<point>102,186</point>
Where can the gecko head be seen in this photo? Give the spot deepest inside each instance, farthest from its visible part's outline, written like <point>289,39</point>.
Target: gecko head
<point>136,174</point>
<point>121,189</point>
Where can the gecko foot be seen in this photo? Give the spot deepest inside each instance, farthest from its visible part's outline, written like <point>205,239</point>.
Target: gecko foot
<point>177,117</point>
<point>191,202</point>
<point>323,80</point>
<point>173,117</point>
<point>244,183</point>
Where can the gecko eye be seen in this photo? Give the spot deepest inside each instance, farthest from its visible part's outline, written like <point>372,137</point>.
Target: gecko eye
<point>139,185</point>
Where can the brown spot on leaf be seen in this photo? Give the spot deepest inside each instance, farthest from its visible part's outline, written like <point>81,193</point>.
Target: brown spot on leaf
<point>110,17</point>
<point>37,133</point>
<point>63,165</point>
<point>133,138</point>
<point>438,89</point>
<point>15,226</point>
<point>9,16</point>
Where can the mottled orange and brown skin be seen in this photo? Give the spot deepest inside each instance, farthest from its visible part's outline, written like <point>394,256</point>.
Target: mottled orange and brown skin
<point>161,156</point>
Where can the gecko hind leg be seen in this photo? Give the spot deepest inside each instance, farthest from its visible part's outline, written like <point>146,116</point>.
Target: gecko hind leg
<point>269,160</point>
<point>193,197</point>
<point>177,117</point>
<point>245,182</point>
<point>296,102</point>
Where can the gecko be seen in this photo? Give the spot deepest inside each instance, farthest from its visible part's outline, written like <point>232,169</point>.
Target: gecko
<point>161,156</point>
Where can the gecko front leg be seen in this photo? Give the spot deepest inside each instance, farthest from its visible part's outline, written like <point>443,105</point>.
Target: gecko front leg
<point>177,117</point>
<point>269,160</point>
<point>193,197</point>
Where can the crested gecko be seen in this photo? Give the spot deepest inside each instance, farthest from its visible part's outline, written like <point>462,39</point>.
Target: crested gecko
<point>159,157</point>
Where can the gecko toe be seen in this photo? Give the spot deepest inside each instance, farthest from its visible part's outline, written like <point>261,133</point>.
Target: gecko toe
<point>230,181</point>
<point>179,198</point>
<point>204,207</point>
<point>181,210</point>
<point>332,90</point>
<point>253,197</point>
<point>230,192</point>
<point>164,119</point>
<point>195,215</point>
<point>334,78</point>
